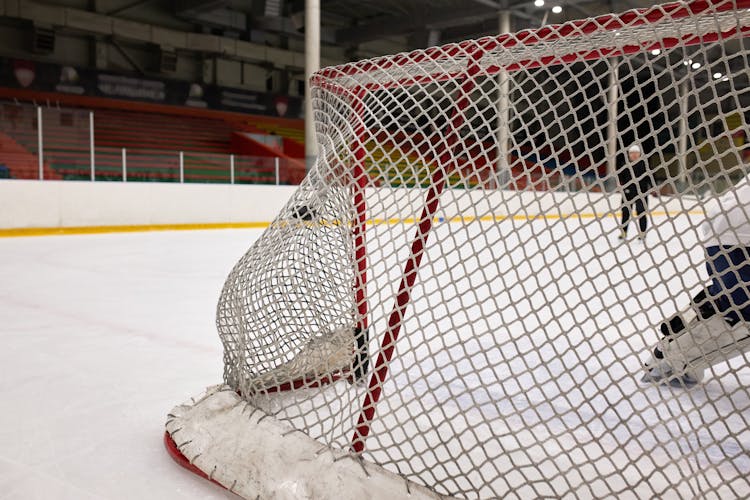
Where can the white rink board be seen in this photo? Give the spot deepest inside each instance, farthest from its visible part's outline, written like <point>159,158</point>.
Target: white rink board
<point>500,203</point>
<point>43,204</point>
<point>59,204</point>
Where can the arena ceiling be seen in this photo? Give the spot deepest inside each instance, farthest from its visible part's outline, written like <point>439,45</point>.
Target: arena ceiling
<point>453,20</point>
<point>352,29</point>
<point>409,23</point>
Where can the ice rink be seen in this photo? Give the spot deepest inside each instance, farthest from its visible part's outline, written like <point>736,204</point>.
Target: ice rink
<point>103,334</point>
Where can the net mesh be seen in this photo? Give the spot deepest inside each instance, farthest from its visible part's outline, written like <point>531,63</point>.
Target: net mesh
<point>448,294</point>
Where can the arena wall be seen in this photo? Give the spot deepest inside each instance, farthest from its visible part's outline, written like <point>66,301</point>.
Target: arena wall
<point>61,204</point>
<point>71,204</point>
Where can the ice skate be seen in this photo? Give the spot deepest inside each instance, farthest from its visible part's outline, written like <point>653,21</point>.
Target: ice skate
<point>661,372</point>
<point>690,346</point>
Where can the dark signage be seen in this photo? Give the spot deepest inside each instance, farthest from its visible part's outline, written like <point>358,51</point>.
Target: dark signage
<point>18,73</point>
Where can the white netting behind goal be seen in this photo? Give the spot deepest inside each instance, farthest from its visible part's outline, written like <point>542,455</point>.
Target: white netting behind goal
<point>452,294</point>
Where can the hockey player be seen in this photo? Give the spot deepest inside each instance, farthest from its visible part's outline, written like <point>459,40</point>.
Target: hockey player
<point>636,182</point>
<point>716,326</point>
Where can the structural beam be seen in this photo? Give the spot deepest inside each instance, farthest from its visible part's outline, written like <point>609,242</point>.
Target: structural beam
<point>683,135</point>
<point>312,64</point>
<point>612,98</point>
<point>286,26</point>
<point>399,25</point>
<point>502,175</point>
<point>199,5</point>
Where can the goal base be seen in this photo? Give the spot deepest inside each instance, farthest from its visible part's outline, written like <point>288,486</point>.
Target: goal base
<point>222,438</point>
<point>182,460</point>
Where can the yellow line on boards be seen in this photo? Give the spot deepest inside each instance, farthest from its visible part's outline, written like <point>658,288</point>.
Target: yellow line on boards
<point>50,231</point>
<point>526,217</point>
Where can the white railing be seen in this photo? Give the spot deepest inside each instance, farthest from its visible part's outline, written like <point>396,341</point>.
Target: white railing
<point>53,143</point>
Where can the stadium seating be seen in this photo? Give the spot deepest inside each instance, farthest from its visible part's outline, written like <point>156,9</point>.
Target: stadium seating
<point>152,142</point>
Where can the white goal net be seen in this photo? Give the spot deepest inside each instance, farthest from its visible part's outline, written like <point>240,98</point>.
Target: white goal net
<point>453,298</point>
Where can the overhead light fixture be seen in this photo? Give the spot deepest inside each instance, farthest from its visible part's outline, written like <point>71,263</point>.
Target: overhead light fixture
<point>556,9</point>
<point>656,52</point>
<point>539,3</point>
<point>687,63</point>
<point>717,75</point>
<point>725,79</point>
<point>695,65</point>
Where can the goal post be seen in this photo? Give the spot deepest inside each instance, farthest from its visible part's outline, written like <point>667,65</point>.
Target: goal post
<point>417,319</point>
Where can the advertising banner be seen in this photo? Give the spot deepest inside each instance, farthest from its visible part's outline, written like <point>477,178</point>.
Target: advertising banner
<point>46,77</point>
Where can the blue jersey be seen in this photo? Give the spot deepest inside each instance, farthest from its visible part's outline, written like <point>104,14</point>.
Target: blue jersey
<point>729,270</point>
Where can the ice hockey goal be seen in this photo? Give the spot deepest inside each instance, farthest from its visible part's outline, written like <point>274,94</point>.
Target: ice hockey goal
<point>447,305</point>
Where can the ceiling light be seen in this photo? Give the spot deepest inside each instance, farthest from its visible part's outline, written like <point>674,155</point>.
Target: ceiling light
<point>695,65</point>
<point>717,75</point>
<point>655,52</point>
<point>538,3</point>
<point>725,79</point>
<point>556,9</point>
<point>687,63</point>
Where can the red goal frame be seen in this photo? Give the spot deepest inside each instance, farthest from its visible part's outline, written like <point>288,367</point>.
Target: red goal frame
<point>473,52</point>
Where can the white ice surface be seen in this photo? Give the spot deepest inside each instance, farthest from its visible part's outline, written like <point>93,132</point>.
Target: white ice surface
<point>101,335</point>
<point>527,339</point>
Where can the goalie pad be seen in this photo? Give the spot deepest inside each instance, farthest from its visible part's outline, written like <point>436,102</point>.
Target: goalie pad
<point>680,358</point>
<point>700,307</point>
<point>225,439</point>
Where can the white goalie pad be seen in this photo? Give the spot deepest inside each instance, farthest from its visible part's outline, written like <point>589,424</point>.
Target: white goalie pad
<point>711,341</point>
<point>703,343</point>
<point>255,455</point>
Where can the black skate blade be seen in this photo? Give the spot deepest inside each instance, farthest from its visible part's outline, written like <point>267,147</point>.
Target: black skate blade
<point>669,379</point>
<point>648,378</point>
<point>682,382</point>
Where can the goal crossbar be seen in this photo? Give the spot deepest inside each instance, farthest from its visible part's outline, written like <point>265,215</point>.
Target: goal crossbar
<point>496,54</point>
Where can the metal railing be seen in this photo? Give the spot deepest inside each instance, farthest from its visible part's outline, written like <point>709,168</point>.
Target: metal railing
<point>52,143</point>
